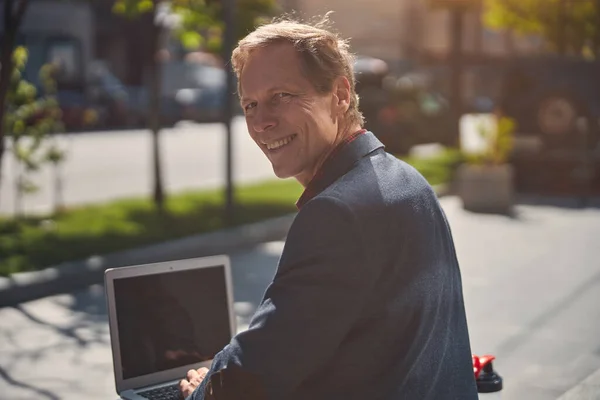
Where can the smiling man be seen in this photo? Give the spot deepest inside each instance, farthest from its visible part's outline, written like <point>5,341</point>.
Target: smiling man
<point>367,300</point>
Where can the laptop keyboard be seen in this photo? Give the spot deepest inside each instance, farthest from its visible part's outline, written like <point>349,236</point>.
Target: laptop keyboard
<point>163,393</point>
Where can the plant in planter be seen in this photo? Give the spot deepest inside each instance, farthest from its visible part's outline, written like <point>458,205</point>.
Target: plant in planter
<point>485,179</point>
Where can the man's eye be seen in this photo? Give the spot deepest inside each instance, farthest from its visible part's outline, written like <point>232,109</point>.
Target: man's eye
<point>249,106</point>
<point>281,98</point>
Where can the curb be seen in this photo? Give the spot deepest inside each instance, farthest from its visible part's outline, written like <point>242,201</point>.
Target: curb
<point>73,275</point>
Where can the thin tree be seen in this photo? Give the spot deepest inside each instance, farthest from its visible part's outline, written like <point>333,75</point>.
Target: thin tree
<point>13,13</point>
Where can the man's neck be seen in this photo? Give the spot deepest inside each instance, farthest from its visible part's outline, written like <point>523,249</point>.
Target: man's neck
<point>343,134</point>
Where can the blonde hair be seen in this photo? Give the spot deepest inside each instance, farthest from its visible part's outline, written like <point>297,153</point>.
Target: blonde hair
<point>324,55</point>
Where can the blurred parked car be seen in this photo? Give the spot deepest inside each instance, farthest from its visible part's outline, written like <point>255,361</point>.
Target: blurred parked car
<point>108,95</point>
<point>197,88</point>
<point>402,111</point>
<point>190,90</point>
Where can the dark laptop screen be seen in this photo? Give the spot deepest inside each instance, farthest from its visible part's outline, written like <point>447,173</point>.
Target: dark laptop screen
<point>171,319</point>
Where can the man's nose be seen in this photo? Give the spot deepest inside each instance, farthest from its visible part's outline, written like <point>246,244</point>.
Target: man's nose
<point>263,120</point>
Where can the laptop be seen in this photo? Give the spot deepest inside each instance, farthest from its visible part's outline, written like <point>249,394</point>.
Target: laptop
<point>165,319</point>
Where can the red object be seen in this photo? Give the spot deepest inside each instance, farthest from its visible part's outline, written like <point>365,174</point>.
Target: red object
<point>480,362</point>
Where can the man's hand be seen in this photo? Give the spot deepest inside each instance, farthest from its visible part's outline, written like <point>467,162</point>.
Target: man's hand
<point>194,379</point>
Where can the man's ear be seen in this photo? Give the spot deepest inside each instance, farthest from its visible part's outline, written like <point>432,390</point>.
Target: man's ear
<point>341,94</point>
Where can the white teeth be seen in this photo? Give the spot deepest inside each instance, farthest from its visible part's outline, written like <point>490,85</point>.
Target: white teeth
<point>279,143</point>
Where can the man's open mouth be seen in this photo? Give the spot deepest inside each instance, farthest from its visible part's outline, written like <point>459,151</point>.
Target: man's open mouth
<point>280,143</point>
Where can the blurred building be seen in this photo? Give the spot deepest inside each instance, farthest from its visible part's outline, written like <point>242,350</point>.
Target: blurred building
<point>57,31</point>
<point>79,32</point>
<point>400,31</point>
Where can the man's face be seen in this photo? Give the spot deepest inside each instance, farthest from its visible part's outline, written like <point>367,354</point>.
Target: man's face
<point>295,126</point>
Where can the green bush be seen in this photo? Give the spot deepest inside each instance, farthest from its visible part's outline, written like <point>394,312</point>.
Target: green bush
<point>438,169</point>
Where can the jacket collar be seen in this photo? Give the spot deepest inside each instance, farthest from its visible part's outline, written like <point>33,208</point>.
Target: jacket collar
<point>339,163</point>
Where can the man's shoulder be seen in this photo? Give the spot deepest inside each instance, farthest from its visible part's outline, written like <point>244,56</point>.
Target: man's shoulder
<point>378,189</point>
<point>380,179</point>
<point>324,208</point>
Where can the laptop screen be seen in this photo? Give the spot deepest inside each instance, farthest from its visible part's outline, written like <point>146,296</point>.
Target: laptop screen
<point>171,319</point>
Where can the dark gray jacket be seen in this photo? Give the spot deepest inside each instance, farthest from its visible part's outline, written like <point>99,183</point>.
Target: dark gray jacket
<point>367,300</point>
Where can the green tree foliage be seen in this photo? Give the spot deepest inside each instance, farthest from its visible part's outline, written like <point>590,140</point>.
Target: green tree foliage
<point>568,26</point>
<point>29,120</point>
<point>14,11</point>
<point>201,24</point>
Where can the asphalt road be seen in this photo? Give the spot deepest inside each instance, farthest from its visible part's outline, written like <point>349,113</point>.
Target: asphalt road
<point>531,284</point>
<point>107,165</point>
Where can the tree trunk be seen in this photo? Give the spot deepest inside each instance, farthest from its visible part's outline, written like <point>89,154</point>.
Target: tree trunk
<point>562,29</point>
<point>229,44</point>
<point>456,70</point>
<point>596,40</point>
<point>12,21</point>
<point>154,111</point>
<point>18,210</point>
<point>58,188</point>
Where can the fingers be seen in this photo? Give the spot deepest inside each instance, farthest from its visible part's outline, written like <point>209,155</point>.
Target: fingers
<point>194,379</point>
<point>185,388</point>
<point>192,375</point>
<point>202,372</point>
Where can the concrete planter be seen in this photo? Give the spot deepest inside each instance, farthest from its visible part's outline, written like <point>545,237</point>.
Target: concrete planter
<point>486,188</point>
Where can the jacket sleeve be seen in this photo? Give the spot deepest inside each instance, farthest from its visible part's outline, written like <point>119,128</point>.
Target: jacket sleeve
<point>315,297</point>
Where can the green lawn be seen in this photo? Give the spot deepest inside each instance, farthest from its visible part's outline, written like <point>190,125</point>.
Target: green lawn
<point>35,243</point>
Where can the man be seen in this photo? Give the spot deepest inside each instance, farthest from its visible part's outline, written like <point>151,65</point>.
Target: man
<point>367,300</point>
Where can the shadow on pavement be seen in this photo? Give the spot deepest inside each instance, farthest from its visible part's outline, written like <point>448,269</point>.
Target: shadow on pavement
<point>39,330</point>
<point>70,331</point>
<point>252,273</point>
<point>41,393</point>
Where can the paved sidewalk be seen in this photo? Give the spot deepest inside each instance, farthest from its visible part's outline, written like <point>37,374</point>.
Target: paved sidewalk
<point>531,284</point>
<point>532,290</point>
<point>589,389</point>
